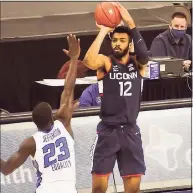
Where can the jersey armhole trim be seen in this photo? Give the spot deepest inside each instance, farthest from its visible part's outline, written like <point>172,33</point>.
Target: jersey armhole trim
<point>106,70</point>
<point>33,157</point>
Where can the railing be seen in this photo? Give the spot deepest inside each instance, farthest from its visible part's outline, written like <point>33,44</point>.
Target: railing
<point>83,112</point>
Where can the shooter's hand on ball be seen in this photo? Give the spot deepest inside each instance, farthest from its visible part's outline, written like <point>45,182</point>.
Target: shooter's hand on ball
<point>104,28</point>
<point>125,15</point>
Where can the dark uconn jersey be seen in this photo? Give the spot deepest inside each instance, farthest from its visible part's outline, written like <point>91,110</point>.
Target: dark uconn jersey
<point>120,92</point>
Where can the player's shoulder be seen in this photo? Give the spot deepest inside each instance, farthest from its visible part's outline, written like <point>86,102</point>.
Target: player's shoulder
<point>59,123</point>
<point>28,143</point>
<point>108,63</point>
<point>29,140</point>
<point>63,129</point>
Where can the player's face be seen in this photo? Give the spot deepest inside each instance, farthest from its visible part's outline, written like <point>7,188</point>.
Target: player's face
<point>120,44</point>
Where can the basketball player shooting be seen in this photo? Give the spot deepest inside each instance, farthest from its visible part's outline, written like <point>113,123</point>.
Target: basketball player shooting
<point>119,77</point>
<point>52,147</point>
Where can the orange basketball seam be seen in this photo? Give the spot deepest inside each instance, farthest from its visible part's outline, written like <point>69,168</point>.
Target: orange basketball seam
<point>115,13</point>
<point>106,14</point>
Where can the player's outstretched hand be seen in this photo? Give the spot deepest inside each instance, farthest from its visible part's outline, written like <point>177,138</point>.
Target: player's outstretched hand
<point>74,47</point>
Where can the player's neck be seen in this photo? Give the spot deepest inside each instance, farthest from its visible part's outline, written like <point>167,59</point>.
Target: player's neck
<point>47,128</point>
<point>124,60</point>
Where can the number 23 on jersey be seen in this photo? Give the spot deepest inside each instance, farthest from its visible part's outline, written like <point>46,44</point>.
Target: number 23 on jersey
<point>49,151</point>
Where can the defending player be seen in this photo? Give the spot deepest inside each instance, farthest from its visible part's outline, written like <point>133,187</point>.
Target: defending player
<point>52,147</point>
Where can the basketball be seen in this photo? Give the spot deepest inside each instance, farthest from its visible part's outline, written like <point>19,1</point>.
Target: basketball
<point>107,14</point>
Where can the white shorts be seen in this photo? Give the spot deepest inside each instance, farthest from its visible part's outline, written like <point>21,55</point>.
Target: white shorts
<point>56,187</point>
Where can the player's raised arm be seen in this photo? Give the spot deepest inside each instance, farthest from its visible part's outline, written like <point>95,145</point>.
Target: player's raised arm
<point>93,59</point>
<point>141,50</point>
<point>64,114</point>
<point>26,149</point>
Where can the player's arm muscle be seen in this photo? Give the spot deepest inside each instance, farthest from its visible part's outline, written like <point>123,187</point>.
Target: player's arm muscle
<point>64,114</point>
<point>93,59</point>
<point>68,92</point>
<point>18,158</point>
<point>95,62</point>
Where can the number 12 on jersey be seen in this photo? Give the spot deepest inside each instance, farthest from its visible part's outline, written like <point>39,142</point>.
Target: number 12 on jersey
<point>125,87</point>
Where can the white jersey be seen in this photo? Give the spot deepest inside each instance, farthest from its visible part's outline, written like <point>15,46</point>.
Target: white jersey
<point>54,159</point>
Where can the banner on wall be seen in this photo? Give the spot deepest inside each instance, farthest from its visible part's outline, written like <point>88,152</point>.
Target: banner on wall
<point>166,136</point>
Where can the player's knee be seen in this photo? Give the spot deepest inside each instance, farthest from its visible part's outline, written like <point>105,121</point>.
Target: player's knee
<point>99,183</point>
<point>100,186</point>
<point>132,189</point>
<point>132,185</point>
<point>99,189</point>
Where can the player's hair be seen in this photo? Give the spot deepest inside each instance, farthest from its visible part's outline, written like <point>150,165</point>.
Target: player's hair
<point>122,29</point>
<point>42,115</point>
<point>178,15</point>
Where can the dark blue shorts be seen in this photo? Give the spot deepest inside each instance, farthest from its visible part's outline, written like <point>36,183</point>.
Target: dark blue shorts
<point>121,143</point>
